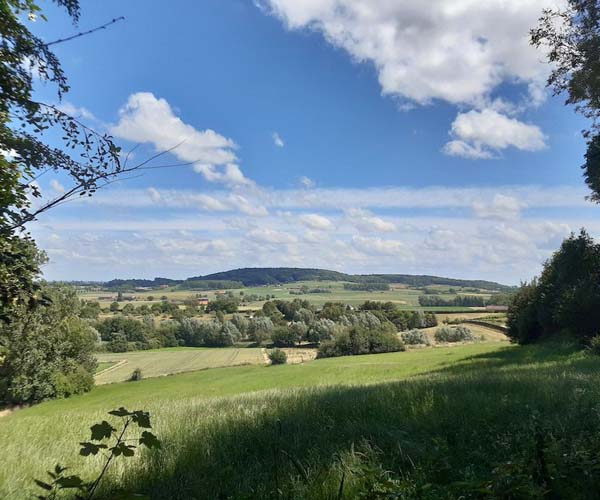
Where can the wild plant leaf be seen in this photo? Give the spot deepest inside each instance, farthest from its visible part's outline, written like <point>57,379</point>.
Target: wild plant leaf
<point>59,469</point>
<point>149,440</point>
<point>70,482</point>
<point>142,418</point>
<point>124,449</point>
<point>88,449</point>
<point>102,430</point>
<point>121,412</point>
<point>43,485</point>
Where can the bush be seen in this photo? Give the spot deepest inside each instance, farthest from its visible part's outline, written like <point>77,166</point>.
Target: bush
<point>136,375</point>
<point>358,340</point>
<point>459,334</point>
<point>415,337</point>
<point>76,381</point>
<point>278,357</point>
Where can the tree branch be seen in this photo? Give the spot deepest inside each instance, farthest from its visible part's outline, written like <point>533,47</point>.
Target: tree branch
<point>83,33</point>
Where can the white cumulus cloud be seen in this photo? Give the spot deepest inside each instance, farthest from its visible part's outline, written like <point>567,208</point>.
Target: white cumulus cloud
<point>147,119</point>
<point>316,221</point>
<point>455,50</point>
<point>367,222</point>
<point>481,134</point>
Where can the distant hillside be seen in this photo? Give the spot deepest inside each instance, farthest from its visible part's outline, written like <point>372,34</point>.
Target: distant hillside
<point>134,283</point>
<point>257,276</point>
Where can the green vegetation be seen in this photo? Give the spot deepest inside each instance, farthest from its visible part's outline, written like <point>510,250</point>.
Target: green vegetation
<point>359,340</point>
<point>482,417</point>
<point>46,351</point>
<point>258,276</point>
<point>415,337</point>
<point>565,299</point>
<point>457,301</point>
<point>277,357</point>
<point>454,334</point>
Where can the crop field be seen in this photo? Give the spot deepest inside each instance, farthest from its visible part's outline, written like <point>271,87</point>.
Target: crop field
<point>159,362</point>
<point>231,431</point>
<point>404,297</point>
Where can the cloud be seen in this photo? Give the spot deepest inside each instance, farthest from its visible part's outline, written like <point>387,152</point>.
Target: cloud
<point>501,207</point>
<point>268,235</point>
<point>307,182</point>
<point>346,199</point>
<point>378,246</point>
<point>458,51</point>
<point>277,140</point>
<point>482,134</point>
<point>316,221</point>
<point>76,111</point>
<point>367,222</point>
<point>57,186</point>
<point>245,206</point>
<point>146,119</point>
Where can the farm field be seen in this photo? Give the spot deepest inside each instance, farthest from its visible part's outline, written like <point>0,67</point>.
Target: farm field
<point>219,427</point>
<point>402,296</point>
<point>167,361</point>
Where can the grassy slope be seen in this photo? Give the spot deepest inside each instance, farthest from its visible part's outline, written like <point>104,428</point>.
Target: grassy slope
<point>478,406</point>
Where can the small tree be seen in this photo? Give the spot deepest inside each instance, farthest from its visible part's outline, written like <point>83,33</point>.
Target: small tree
<point>278,357</point>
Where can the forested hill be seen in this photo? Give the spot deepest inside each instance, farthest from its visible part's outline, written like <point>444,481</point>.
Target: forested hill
<point>255,276</point>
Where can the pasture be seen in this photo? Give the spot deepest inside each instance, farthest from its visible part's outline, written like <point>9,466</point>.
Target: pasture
<point>167,361</point>
<point>453,418</point>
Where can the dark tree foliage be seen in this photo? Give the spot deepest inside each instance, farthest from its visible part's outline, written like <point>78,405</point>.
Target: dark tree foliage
<point>224,303</point>
<point>572,38</point>
<point>564,299</point>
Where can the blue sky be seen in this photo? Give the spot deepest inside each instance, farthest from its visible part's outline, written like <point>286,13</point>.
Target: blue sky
<point>364,136</point>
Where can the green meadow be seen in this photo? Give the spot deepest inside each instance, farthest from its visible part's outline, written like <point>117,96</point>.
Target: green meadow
<point>439,422</point>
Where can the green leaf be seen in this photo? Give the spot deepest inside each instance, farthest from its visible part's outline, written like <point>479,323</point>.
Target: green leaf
<point>58,469</point>
<point>149,440</point>
<point>124,449</point>
<point>70,482</point>
<point>102,430</point>
<point>42,484</point>
<point>90,449</point>
<point>142,418</point>
<point>121,412</point>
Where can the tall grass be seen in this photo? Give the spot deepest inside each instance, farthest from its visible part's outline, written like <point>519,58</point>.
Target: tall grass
<point>500,422</point>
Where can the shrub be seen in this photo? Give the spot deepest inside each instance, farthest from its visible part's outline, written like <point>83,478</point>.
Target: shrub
<point>278,357</point>
<point>136,375</point>
<point>358,340</point>
<point>75,381</point>
<point>459,334</point>
<point>415,337</point>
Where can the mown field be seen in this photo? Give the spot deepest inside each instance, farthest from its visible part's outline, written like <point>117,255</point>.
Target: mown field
<point>440,421</point>
<point>158,362</point>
